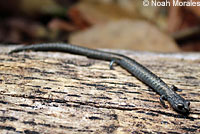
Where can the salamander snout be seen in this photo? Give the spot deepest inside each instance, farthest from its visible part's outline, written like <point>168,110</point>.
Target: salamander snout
<point>183,107</point>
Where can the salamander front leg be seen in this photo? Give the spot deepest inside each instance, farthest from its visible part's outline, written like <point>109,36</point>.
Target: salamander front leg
<point>176,88</point>
<point>111,64</point>
<point>162,101</point>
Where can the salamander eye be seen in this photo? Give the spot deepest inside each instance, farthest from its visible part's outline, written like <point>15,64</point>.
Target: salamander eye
<point>180,106</point>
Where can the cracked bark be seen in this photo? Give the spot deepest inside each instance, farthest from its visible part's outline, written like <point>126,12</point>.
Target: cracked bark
<point>46,92</point>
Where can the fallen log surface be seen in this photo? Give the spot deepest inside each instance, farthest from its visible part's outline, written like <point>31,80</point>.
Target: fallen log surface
<point>52,92</point>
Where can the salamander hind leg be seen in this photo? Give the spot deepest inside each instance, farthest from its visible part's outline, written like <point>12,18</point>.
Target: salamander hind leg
<point>162,101</point>
<point>111,64</point>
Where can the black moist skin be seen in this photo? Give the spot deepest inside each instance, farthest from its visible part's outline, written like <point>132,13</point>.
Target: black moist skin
<point>177,102</point>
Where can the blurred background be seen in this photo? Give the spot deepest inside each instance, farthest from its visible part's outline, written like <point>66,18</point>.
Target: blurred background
<point>115,24</point>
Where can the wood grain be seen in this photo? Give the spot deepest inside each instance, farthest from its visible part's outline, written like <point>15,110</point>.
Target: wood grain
<point>48,92</point>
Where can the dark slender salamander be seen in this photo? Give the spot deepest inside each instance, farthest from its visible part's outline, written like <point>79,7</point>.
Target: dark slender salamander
<point>139,71</point>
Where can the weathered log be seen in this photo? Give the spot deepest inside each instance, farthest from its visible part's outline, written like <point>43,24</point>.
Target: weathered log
<point>51,92</point>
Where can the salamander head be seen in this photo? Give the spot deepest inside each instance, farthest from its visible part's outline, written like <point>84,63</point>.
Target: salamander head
<point>183,107</point>
<point>180,104</point>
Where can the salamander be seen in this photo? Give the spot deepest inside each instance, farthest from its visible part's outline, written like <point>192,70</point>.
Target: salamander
<point>166,92</point>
